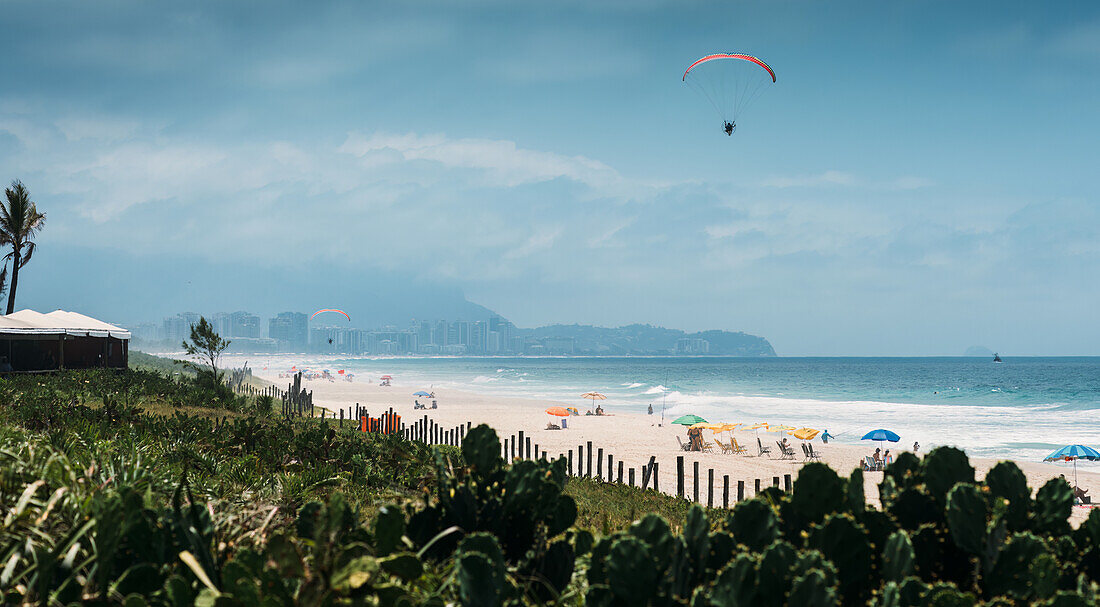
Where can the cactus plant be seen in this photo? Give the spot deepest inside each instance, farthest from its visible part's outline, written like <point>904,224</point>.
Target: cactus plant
<point>753,524</point>
<point>942,468</point>
<point>841,539</point>
<point>817,491</point>
<point>1053,504</point>
<point>898,557</point>
<point>1005,480</point>
<point>966,517</point>
<point>812,590</point>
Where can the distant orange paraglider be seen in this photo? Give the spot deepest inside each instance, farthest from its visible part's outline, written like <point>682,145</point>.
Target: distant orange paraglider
<point>331,310</point>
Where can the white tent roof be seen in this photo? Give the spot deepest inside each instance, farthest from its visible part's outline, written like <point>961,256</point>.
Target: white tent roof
<point>57,322</point>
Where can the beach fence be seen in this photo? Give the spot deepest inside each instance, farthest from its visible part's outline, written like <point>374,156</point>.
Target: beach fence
<point>295,401</point>
<point>587,461</point>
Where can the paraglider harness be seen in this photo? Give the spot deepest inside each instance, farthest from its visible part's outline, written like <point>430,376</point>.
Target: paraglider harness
<point>729,128</point>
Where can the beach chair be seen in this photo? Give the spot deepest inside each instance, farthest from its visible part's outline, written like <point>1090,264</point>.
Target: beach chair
<point>763,449</point>
<point>726,447</point>
<point>705,446</point>
<point>737,447</point>
<point>805,453</point>
<point>683,447</point>
<point>813,454</point>
<point>785,453</point>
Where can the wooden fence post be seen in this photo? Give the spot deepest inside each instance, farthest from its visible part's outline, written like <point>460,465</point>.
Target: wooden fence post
<point>740,491</point>
<point>599,463</point>
<point>787,483</point>
<point>680,476</point>
<point>620,472</point>
<point>710,487</point>
<point>631,475</point>
<point>726,491</point>
<point>695,481</point>
<point>588,467</point>
<point>757,489</point>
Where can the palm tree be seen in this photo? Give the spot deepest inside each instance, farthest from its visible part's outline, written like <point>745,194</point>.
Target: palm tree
<point>19,222</point>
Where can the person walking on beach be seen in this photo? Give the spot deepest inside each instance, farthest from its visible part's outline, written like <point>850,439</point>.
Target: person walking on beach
<point>650,408</point>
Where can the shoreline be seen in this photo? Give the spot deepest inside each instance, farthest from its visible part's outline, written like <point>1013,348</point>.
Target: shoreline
<point>632,438</point>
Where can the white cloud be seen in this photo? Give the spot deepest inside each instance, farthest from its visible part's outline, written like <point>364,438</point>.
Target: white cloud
<point>827,178</point>
<point>504,163</point>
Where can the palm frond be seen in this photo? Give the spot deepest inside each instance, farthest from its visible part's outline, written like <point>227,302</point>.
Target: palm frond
<point>27,252</point>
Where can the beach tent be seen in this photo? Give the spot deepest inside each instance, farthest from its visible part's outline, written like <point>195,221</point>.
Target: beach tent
<point>32,341</point>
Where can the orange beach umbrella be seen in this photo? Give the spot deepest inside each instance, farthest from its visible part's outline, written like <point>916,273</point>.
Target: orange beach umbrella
<point>559,411</point>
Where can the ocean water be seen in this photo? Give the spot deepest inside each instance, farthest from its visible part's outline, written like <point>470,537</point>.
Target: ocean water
<point>1023,408</point>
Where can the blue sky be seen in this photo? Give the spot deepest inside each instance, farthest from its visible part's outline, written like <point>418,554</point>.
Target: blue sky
<point>920,179</point>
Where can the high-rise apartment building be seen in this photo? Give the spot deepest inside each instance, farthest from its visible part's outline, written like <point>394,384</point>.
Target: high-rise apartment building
<point>289,329</point>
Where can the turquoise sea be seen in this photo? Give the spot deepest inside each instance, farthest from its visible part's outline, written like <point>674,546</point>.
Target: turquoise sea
<point>1021,408</point>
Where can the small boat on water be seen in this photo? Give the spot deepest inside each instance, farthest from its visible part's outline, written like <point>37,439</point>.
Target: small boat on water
<point>997,358</point>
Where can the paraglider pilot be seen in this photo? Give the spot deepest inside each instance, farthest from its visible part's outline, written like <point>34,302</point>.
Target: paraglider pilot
<point>729,128</point>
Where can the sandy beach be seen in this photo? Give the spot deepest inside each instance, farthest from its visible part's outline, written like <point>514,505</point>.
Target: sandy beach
<point>633,438</point>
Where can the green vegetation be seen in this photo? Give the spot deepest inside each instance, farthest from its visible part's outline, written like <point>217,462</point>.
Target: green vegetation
<point>115,488</point>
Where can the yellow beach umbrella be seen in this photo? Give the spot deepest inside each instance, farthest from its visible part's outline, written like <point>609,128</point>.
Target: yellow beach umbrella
<point>706,425</point>
<point>805,433</point>
<point>729,427</point>
<point>757,426</point>
<point>780,428</point>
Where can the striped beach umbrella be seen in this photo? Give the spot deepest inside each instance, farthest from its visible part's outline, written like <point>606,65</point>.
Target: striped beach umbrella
<point>1074,453</point>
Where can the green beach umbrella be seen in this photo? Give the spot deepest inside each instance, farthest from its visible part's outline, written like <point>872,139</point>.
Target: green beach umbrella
<point>688,420</point>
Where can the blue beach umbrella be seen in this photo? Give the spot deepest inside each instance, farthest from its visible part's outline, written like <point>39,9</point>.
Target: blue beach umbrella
<point>1073,452</point>
<point>421,393</point>
<point>881,435</point>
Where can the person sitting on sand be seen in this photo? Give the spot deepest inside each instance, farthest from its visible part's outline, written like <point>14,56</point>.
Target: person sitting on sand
<point>1081,495</point>
<point>599,410</point>
<point>434,406</point>
<point>417,405</point>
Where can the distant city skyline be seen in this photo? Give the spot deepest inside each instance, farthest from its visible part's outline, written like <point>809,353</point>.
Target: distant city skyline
<point>291,332</point>
<point>919,179</point>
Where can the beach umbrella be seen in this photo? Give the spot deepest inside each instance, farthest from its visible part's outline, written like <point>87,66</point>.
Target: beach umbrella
<point>781,429</point>
<point>805,433</point>
<point>1073,452</point>
<point>708,426</point>
<point>421,393</point>
<point>757,426</point>
<point>559,411</point>
<point>386,377</point>
<point>593,396</point>
<point>688,420</point>
<point>881,435</point>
